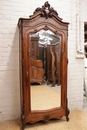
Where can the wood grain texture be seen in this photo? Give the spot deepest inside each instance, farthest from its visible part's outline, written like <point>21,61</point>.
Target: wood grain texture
<point>45,18</point>
<point>78,119</point>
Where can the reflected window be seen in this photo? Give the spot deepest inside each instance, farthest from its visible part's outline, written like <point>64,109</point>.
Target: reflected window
<point>47,37</point>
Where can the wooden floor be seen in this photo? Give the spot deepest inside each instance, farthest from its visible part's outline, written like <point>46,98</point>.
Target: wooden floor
<point>78,121</point>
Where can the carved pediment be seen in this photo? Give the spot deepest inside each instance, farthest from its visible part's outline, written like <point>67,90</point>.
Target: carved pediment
<point>46,10</point>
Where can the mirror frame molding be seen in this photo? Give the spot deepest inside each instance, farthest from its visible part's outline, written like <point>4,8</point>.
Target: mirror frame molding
<point>45,18</point>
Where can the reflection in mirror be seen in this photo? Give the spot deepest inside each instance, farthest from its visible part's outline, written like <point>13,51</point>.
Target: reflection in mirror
<point>45,70</point>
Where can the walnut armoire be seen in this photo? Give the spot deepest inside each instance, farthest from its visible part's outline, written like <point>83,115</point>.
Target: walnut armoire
<point>43,30</point>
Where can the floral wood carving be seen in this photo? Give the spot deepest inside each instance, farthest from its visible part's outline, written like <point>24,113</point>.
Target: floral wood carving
<point>46,10</point>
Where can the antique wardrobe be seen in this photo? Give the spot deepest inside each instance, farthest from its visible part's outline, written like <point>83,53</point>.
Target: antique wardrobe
<point>43,41</point>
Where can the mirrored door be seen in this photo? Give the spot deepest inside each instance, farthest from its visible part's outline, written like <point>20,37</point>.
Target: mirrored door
<point>45,70</point>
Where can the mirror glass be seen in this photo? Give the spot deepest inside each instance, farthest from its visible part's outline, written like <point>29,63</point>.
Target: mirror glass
<point>45,70</point>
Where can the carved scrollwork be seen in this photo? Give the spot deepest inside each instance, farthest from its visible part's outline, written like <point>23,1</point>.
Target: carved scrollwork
<point>46,10</point>
<point>46,118</point>
<point>55,32</point>
<point>46,28</point>
<point>35,31</point>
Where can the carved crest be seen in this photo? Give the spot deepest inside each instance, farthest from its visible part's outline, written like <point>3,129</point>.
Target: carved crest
<point>46,10</point>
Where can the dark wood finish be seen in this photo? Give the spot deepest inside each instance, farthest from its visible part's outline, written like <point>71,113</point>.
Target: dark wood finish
<point>43,18</point>
<point>53,69</point>
<point>53,63</point>
<point>58,68</point>
<point>34,48</point>
<point>36,63</point>
<point>36,71</point>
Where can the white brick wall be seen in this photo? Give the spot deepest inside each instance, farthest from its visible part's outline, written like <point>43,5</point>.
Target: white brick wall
<point>10,12</point>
